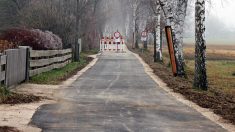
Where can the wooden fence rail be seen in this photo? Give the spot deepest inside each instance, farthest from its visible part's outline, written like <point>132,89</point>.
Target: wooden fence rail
<point>17,65</point>
<point>43,61</point>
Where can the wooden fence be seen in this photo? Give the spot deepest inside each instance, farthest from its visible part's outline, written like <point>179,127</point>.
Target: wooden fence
<point>2,68</point>
<point>15,66</point>
<point>43,61</point>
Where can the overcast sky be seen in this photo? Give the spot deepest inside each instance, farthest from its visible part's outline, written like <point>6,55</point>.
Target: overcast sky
<point>220,22</point>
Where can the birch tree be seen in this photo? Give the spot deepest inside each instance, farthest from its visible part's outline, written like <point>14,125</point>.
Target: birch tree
<point>134,5</point>
<point>175,12</point>
<point>157,31</point>
<point>200,76</point>
<point>180,14</point>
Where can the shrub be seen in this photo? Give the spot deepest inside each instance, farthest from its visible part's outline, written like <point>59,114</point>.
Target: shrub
<point>34,38</point>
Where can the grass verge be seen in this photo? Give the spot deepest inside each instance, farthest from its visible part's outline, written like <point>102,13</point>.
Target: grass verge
<point>56,76</point>
<point>221,102</point>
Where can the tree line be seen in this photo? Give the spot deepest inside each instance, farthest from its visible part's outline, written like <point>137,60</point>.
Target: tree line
<point>88,19</point>
<point>69,19</point>
<point>156,15</point>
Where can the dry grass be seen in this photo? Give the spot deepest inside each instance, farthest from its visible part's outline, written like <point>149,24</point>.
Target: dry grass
<point>214,52</point>
<point>220,66</point>
<point>220,74</point>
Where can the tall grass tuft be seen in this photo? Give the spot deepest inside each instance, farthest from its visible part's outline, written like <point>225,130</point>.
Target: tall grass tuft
<point>4,93</point>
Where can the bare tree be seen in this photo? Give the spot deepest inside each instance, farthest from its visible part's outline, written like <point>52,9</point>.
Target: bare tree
<point>134,4</point>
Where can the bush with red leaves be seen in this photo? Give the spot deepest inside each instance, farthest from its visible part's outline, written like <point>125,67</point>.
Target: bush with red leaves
<point>34,38</point>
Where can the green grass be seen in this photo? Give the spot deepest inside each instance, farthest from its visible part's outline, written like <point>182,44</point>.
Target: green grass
<point>4,93</point>
<point>90,52</point>
<point>55,76</point>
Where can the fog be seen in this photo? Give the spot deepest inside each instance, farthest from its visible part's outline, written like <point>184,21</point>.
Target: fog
<point>220,20</point>
<point>220,23</point>
<point>115,17</point>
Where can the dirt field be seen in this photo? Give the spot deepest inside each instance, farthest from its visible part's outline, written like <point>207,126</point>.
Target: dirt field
<point>214,52</point>
<point>221,94</point>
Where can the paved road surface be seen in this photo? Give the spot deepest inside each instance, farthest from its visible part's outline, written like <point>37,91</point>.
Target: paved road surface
<point>116,95</point>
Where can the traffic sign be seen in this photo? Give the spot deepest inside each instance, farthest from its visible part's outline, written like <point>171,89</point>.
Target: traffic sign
<point>117,35</point>
<point>144,34</point>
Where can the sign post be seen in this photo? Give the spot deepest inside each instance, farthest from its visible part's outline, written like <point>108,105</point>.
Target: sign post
<point>117,36</point>
<point>144,35</point>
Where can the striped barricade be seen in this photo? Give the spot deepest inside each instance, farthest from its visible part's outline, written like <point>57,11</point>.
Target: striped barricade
<point>110,44</point>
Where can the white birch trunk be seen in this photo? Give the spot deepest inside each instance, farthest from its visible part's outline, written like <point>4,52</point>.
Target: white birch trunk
<point>127,25</point>
<point>178,39</point>
<point>176,24</point>
<point>134,24</point>
<point>200,76</point>
<point>158,37</point>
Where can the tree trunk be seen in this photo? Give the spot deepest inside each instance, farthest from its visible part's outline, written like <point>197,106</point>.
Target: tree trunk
<point>178,35</point>
<point>136,36</point>
<point>145,44</point>
<point>200,76</point>
<point>76,46</point>
<point>134,25</point>
<point>158,38</point>
<point>177,30</point>
<point>155,46</point>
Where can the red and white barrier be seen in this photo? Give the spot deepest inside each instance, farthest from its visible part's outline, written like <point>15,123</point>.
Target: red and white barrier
<point>111,44</point>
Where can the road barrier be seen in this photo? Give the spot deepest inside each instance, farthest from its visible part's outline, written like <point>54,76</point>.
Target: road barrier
<point>111,44</point>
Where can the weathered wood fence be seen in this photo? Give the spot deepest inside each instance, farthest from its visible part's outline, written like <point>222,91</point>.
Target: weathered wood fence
<point>2,68</point>
<point>17,65</point>
<point>42,61</point>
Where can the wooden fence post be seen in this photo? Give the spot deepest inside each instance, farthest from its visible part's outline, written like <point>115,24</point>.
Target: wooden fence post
<point>2,82</point>
<point>77,51</point>
<point>27,61</point>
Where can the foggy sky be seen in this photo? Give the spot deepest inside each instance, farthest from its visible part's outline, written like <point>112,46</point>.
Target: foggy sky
<point>220,23</point>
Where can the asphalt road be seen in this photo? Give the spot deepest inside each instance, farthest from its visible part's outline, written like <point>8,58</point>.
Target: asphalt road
<point>116,95</point>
